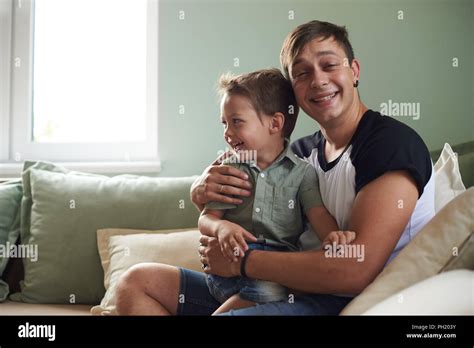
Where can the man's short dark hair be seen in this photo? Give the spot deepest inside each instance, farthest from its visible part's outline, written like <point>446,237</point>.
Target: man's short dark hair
<point>301,35</point>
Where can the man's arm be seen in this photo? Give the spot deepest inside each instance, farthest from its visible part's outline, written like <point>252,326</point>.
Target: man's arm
<point>380,213</point>
<point>217,184</point>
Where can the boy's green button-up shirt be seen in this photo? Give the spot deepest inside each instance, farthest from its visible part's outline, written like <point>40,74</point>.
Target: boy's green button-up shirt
<point>281,194</point>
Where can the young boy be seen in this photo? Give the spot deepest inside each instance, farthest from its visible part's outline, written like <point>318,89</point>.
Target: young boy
<point>259,112</point>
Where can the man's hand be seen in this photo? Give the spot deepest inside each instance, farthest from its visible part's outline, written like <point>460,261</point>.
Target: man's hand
<point>214,262</point>
<point>339,237</point>
<point>218,183</point>
<point>232,238</point>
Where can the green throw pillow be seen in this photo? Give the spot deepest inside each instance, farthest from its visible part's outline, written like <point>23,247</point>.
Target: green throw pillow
<point>10,198</point>
<point>61,212</point>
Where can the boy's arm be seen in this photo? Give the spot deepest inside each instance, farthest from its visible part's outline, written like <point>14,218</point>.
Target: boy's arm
<point>312,204</point>
<point>209,221</point>
<point>325,226</point>
<point>321,221</point>
<point>231,236</point>
<point>211,217</point>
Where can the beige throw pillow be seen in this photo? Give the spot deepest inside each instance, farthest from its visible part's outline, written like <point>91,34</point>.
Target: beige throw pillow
<point>120,249</point>
<point>448,178</point>
<point>464,258</point>
<point>424,256</point>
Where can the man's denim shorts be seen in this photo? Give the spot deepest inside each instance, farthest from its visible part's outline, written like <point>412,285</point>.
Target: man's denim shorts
<point>196,299</point>
<point>259,291</point>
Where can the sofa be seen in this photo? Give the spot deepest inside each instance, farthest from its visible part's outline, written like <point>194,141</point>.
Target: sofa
<point>68,236</point>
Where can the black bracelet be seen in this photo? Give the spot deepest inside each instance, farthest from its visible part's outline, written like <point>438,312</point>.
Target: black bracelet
<point>244,262</point>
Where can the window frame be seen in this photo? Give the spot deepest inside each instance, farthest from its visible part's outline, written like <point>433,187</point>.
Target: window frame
<point>16,121</point>
<point>5,59</point>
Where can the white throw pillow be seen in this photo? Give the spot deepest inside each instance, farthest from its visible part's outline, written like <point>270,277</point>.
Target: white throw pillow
<point>448,178</point>
<point>447,293</point>
<point>425,256</point>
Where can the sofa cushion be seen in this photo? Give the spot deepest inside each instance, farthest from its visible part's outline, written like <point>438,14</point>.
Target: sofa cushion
<point>121,249</point>
<point>448,178</point>
<point>432,296</point>
<point>424,256</point>
<point>466,162</point>
<point>10,198</point>
<point>465,156</point>
<point>19,308</point>
<point>463,258</point>
<point>61,212</point>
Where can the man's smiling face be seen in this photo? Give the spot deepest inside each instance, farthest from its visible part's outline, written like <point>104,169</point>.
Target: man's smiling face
<point>323,80</point>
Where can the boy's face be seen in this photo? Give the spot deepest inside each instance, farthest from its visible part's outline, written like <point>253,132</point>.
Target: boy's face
<point>323,80</point>
<point>243,130</point>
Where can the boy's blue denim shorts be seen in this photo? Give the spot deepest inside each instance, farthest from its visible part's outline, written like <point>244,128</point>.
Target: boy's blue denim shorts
<point>259,291</point>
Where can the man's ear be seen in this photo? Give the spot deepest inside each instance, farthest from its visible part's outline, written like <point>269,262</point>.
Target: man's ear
<point>355,67</point>
<point>277,122</point>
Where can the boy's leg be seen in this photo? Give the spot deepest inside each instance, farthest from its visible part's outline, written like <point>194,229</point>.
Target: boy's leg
<point>233,302</point>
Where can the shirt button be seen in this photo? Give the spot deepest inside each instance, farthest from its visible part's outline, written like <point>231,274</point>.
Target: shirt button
<point>257,210</point>
<point>262,175</point>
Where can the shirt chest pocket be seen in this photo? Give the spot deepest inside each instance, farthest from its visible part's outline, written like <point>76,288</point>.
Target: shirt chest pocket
<point>285,209</point>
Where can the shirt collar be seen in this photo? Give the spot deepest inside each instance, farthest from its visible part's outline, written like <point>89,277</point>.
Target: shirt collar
<point>286,153</point>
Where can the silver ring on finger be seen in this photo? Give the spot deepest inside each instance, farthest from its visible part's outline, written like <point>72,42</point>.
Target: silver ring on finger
<point>222,188</point>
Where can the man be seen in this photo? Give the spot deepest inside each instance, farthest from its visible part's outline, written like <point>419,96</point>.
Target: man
<point>375,177</point>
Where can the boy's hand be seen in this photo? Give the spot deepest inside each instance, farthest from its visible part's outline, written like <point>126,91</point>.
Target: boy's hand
<point>232,238</point>
<point>339,237</point>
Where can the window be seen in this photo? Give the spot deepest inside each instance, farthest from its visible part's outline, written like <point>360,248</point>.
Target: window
<point>82,81</point>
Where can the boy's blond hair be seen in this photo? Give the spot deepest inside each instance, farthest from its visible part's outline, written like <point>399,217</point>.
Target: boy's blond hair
<point>268,91</point>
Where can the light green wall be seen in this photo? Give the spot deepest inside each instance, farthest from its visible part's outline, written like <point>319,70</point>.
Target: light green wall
<point>407,60</point>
